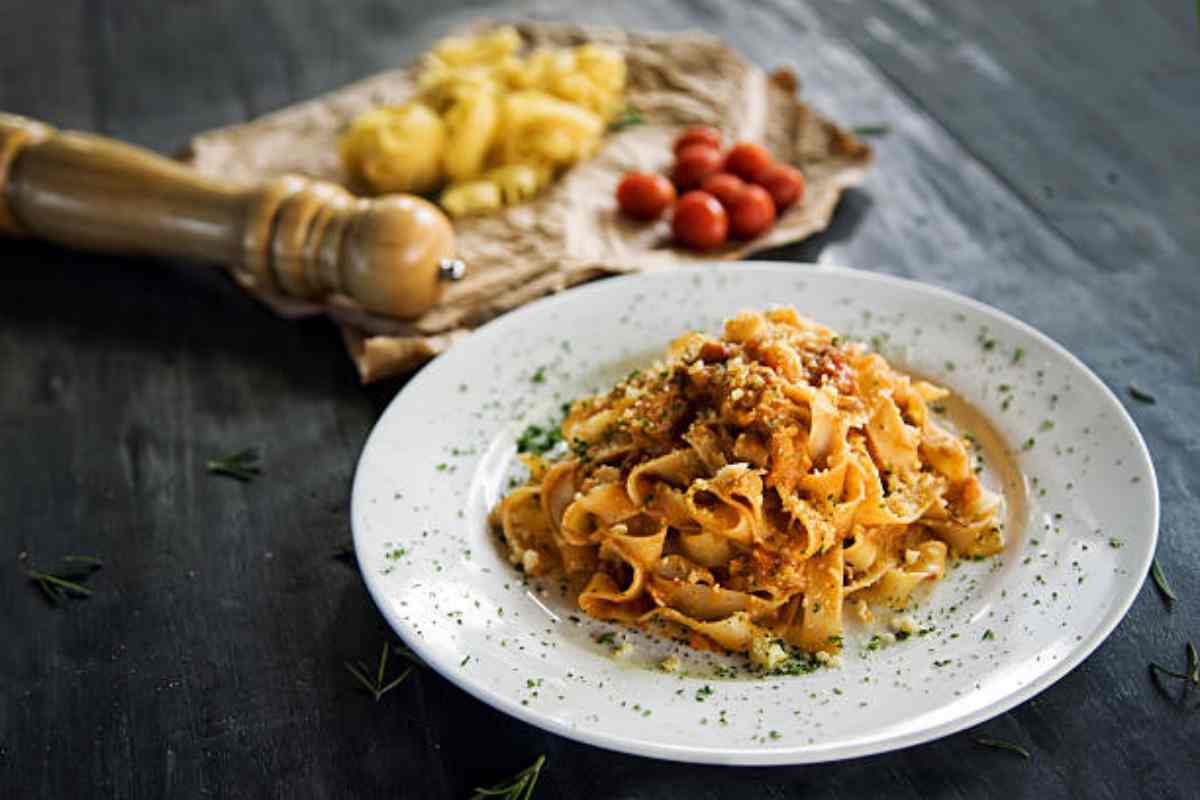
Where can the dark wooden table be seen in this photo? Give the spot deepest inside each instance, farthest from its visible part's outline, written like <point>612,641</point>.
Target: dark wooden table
<point>1042,157</point>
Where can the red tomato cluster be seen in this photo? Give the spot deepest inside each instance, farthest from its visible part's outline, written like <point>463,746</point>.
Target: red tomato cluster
<point>736,193</point>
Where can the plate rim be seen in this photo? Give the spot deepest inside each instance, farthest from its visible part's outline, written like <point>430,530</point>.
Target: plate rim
<point>785,755</point>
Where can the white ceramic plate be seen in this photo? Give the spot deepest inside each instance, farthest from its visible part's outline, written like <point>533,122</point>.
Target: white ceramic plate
<point>1082,504</point>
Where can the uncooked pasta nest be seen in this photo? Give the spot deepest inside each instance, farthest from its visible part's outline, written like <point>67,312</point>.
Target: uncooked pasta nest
<point>491,126</point>
<point>746,488</point>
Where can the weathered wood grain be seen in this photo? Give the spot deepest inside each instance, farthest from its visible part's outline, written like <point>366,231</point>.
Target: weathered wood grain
<point>1041,159</point>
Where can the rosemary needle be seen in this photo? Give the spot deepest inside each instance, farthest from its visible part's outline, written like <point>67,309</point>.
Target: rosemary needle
<point>66,581</point>
<point>880,129</point>
<point>379,685</point>
<point>1000,744</point>
<point>519,787</point>
<point>1160,581</point>
<point>76,559</point>
<point>1191,677</point>
<point>242,465</point>
<point>1170,673</point>
<point>1141,395</point>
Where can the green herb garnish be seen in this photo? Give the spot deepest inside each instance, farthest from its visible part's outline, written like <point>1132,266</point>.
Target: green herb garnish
<point>988,635</point>
<point>1141,395</point>
<point>796,665</point>
<point>66,581</point>
<point>537,439</point>
<point>1000,744</point>
<point>1018,354</point>
<point>1191,676</point>
<point>242,465</point>
<point>1028,444</point>
<point>703,693</point>
<point>1160,581</point>
<point>539,375</point>
<point>878,129</point>
<point>378,686</point>
<point>628,117</point>
<point>518,787</point>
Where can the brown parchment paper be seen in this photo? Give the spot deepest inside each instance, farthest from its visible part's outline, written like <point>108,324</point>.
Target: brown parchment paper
<point>571,233</point>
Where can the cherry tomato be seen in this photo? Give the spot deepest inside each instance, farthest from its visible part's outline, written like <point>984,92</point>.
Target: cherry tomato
<point>722,186</point>
<point>747,160</point>
<point>644,195</point>
<point>700,134</point>
<point>700,222</point>
<point>752,212</point>
<point>693,164</point>
<point>784,183</point>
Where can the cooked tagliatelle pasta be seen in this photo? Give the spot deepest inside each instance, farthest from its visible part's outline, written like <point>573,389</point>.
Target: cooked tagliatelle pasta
<point>747,487</point>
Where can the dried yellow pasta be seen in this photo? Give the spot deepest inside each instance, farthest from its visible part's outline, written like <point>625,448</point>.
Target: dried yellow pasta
<point>396,149</point>
<point>486,113</point>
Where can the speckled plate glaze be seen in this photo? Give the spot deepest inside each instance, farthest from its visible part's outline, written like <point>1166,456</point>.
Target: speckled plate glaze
<point>1079,485</point>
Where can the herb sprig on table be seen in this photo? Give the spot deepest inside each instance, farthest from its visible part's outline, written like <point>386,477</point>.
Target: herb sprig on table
<point>1141,395</point>
<point>67,580</point>
<point>1000,744</point>
<point>1160,581</point>
<point>1191,676</point>
<point>518,787</point>
<point>242,465</point>
<point>379,683</point>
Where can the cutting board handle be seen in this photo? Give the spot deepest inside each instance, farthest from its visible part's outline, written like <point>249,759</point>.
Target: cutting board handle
<point>291,235</point>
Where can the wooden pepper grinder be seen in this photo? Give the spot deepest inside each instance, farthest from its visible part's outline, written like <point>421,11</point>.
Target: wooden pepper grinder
<point>292,236</point>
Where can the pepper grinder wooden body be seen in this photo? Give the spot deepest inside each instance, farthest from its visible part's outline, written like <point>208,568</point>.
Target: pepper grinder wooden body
<point>292,236</point>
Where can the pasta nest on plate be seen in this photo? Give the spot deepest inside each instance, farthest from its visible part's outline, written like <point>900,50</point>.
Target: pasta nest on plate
<point>747,487</point>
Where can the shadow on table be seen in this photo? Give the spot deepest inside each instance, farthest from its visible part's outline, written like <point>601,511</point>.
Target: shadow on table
<point>160,312</point>
<point>850,212</point>
<point>163,311</point>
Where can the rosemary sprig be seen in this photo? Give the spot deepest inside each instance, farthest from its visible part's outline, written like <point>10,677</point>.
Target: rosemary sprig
<point>628,117</point>
<point>1141,395</point>
<point>379,685</point>
<point>65,582</point>
<point>1191,677</point>
<point>518,787</point>
<point>242,465</point>
<point>878,129</point>
<point>1000,744</point>
<point>1160,581</point>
